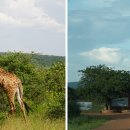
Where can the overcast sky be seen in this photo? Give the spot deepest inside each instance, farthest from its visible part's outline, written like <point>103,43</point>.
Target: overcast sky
<point>33,25</point>
<point>99,33</point>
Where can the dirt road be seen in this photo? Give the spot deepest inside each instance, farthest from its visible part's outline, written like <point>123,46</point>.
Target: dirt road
<point>118,122</point>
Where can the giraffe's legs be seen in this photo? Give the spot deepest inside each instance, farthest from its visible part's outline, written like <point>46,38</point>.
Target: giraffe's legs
<point>11,102</point>
<point>20,100</point>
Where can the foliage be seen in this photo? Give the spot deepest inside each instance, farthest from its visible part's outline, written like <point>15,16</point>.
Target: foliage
<point>103,83</point>
<point>73,107</point>
<point>39,59</point>
<point>41,85</point>
<point>55,107</point>
<point>46,60</point>
<point>20,64</point>
<point>55,90</point>
<point>3,117</point>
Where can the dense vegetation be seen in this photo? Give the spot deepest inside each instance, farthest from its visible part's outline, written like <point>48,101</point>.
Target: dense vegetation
<point>98,84</point>
<point>42,60</point>
<point>73,107</point>
<point>47,60</point>
<point>44,87</point>
<point>104,83</point>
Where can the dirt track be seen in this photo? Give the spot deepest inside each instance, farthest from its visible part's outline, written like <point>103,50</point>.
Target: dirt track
<point>118,122</point>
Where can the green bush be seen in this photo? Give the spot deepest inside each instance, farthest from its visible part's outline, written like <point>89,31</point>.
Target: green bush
<point>55,107</point>
<point>55,90</point>
<point>73,107</point>
<point>20,64</point>
<point>3,116</point>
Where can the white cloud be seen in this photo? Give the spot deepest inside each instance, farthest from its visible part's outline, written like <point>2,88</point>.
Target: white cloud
<point>75,20</point>
<point>26,13</point>
<point>7,19</point>
<point>56,2</point>
<point>108,55</point>
<point>60,2</point>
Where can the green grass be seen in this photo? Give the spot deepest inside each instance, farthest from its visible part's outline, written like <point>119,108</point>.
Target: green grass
<point>85,123</point>
<point>33,123</point>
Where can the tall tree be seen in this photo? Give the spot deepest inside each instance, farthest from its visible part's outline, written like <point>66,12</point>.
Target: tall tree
<point>101,84</point>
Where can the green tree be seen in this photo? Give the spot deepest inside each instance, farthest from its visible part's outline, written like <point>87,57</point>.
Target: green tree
<point>55,90</point>
<point>20,64</point>
<point>23,66</point>
<point>73,107</point>
<point>101,84</point>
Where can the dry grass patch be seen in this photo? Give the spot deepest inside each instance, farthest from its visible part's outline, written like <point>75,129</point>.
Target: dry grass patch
<point>33,123</point>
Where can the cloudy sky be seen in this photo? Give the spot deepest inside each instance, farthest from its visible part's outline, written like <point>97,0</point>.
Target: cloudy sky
<point>99,33</point>
<point>33,25</point>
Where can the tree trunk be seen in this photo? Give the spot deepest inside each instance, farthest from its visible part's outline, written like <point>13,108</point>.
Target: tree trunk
<point>108,106</point>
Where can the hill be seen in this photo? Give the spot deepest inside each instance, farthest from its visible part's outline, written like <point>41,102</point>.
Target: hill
<point>73,84</point>
<point>42,60</point>
<point>47,60</point>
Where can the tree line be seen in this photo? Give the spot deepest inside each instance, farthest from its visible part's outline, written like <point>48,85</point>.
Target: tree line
<point>100,84</point>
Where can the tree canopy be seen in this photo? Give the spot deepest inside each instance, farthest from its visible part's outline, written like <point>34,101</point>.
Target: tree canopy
<point>101,84</point>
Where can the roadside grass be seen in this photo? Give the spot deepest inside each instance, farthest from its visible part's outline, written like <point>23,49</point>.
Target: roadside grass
<point>34,122</point>
<point>86,122</point>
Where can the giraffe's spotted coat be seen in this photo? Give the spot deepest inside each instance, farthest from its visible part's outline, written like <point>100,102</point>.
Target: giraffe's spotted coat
<point>12,86</point>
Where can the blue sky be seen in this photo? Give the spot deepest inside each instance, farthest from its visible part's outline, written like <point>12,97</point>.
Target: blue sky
<point>33,25</point>
<point>99,33</point>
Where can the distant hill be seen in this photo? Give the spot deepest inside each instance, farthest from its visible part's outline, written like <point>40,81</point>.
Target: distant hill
<point>47,60</point>
<point>43,60</point>
<point>73,84</point>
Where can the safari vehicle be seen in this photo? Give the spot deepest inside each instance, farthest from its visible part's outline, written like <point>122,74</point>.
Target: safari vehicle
<point>120,104</point>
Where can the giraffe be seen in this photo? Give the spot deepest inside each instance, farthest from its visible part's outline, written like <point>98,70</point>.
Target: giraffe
<point>12,86</point>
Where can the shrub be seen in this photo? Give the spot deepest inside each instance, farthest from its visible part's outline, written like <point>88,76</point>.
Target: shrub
<point>55,107</point>
<point>55,90</point>
<point>73,107</point>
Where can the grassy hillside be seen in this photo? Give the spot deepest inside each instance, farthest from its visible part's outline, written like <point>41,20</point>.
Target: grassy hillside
<point>47,60</point>
<point>43,60</point>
